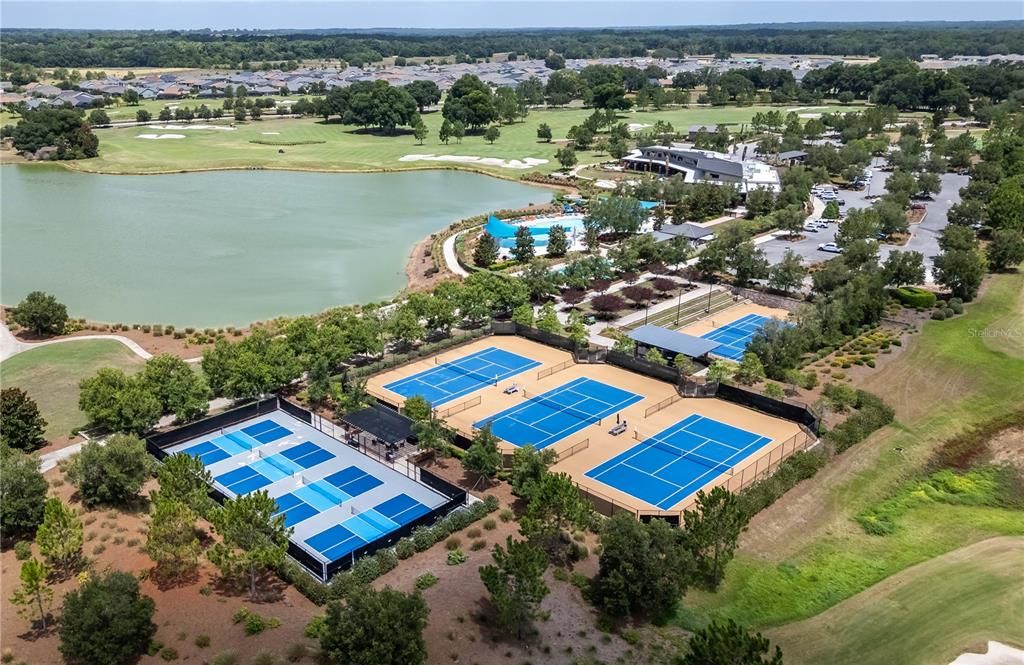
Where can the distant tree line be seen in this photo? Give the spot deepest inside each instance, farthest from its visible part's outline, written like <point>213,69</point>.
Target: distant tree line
<point>205,49</point>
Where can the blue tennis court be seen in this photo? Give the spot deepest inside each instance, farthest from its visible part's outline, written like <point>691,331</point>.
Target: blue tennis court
<point>468,374</point>
<point>735,336</point>
<point>676,462</point>
<point>542,420</point>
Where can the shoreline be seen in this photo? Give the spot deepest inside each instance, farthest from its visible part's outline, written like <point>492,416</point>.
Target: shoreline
<point>414,280</point>
<point>76,166</point>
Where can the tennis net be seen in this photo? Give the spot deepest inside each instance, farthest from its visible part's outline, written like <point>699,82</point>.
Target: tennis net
<point>281,465</point>
<point>555,406</point>
<point>716,465</point>
<point>465,372</point>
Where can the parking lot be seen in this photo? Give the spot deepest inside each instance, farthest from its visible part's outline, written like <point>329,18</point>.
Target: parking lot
<point>924,236</point>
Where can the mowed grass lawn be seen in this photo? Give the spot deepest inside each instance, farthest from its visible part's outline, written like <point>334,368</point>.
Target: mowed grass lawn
<point>50,375</point>
<point>948,381</point>
<point>927,614</point>
<point>348,148</point>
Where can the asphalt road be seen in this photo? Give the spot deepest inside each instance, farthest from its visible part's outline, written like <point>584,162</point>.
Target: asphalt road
<point>924,236</point>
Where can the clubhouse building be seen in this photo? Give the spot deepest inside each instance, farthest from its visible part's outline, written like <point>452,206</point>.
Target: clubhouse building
<point>704,166</point>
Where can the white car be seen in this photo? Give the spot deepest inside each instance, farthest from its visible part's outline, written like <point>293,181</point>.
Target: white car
<point>830,247</point>
<point>811,226</point>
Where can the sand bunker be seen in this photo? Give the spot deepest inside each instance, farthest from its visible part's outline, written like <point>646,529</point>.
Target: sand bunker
<point>221,127</point>
<point>157,137</point>
<point>525,163</point>
<point>998,654</point>
<point>637,126</point>
<point>270,133</point>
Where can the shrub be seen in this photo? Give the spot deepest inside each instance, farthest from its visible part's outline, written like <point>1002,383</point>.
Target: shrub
<point>366,569</point>
<point>423,538</point>
<point>169,653</point>
<point>478,545</point>
<point>202,641</point>
<point>491,502</point>
<point>491,525</point>
<point>916,297</point>
<point>453,543</point>
<point>425,581</point>
<point>265,658</point>
<point>797,467</point>
<point>225,658</point>
<point>872,414</point>
<point>310,588</point>
<point>295,652</point>
<point>22,550</point>
<point>939,315</point>
<point>315,628</point>
<point>475,532</point>
<point>505,516</point>
<point>387,560</point>
<point>154,647</point>
<point>456,557</point>
<point>405,548</point>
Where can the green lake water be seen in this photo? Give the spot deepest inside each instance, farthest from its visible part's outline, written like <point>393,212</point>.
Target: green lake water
<point>229,247</point>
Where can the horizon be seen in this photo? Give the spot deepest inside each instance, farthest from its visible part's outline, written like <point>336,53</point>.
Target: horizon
<point>497,15</point>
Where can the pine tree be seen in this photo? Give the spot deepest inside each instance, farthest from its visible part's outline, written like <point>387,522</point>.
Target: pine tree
<point>516,583</point>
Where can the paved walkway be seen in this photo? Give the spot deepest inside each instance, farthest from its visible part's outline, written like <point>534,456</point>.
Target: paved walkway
<point>450,258</point>
<point>12,346</point>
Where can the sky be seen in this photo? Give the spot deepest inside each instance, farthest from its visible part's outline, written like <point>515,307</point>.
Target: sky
<point>305,14</point>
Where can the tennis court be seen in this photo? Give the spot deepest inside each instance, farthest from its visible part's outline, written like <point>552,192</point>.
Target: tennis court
<point>334,498</point>
<point>453,379</point>
<point>676,462</point>
<point>735,336</point>
<point>541,420</point>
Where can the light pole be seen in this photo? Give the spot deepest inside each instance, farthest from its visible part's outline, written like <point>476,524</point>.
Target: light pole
<point>679,304</point>
<point>707,310</point>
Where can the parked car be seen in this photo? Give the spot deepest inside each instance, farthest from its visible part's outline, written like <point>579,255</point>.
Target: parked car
<point>841,202</point>
<point>830,247</point>
<point>917,206</point>
<point>810,226</point>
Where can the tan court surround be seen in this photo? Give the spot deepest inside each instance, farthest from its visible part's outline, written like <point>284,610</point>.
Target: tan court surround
<point>593,445</point>
<point>727,316</point>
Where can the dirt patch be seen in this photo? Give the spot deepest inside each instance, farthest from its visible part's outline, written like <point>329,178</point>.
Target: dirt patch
<point>419,268</point>
<point>1007,447</point>
<point>201,606</point>
<point>461,624</point>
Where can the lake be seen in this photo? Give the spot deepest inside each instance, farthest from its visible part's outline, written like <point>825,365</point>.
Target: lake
<point>228,247</point>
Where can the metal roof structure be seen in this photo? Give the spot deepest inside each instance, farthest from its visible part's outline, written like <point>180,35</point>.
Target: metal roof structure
<point>670,340</point>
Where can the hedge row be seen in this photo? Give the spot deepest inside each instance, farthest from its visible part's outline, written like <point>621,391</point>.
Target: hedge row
<point>915,297</point>
<point>800,466</point>
<point>423,350</point>
<point>368,568</point>
<point>872,414</point>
